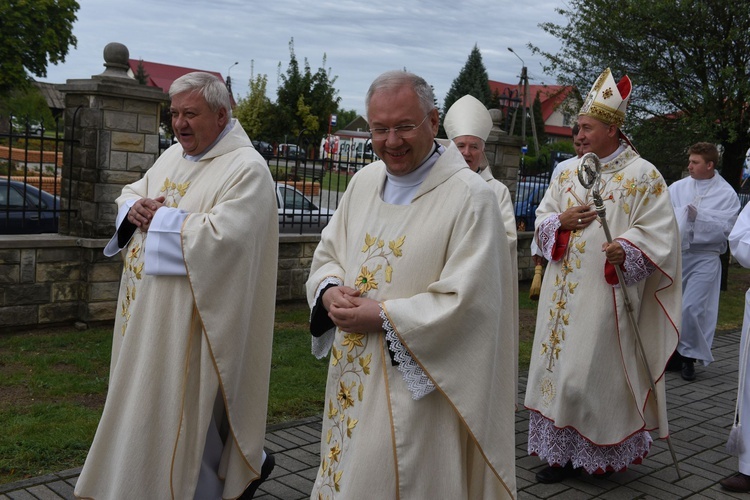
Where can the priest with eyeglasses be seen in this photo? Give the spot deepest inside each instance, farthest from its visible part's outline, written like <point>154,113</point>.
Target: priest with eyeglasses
<point>420,394</point>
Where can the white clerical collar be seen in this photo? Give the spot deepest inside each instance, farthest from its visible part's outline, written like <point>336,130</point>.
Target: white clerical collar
<point>224,132</point>
<point>400,189</point>
<point>614,155</point>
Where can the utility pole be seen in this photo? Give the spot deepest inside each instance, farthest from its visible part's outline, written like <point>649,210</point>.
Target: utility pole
<point>527,110</point>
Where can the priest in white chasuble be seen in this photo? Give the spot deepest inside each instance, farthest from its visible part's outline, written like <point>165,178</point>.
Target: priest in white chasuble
<point>590,400</point>
<point>186,407</point>
<point>420,392</point>
<point>468,124</point>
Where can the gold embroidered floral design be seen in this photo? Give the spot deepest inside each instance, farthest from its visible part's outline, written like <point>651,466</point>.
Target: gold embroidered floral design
<point>351,371</point>
<point>547,388</point>
<point>133,267</point>
<point>173,191</point>
<point>607,93</point>
<point>366,279</point>
<point>132,274</point>
<point>374,250</point>
<point>351,364</point>
<point>559,317</point>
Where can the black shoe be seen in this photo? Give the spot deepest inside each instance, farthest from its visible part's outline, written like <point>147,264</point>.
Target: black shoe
<point>265,471</point>
<point>552,474</point>
<point>675,362</point>
<point>688,370</point>
<point>739,483</point>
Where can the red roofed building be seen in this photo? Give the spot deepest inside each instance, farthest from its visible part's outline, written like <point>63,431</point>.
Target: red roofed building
<point>162,75</point>
<point>559,104</point>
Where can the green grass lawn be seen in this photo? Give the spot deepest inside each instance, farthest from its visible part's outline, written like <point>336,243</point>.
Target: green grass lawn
<point>53,385</point>
<point>53,382</point>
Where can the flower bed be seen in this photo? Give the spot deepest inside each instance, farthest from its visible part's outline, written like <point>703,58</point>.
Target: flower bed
<point>308,188</point>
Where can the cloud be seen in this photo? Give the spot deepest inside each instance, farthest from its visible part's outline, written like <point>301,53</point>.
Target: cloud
<point>360,40</point>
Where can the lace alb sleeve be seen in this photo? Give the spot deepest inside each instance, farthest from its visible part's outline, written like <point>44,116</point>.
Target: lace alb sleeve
<point>418,383</point>
<point>321,346</point>
<point>637,267</point>
<point>547,234</point>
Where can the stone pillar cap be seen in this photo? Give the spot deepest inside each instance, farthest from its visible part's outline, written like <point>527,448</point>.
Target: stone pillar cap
<point>116,57</point>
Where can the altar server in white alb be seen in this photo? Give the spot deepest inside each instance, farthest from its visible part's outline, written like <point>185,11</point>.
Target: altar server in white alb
<point>739,244</point>
<point>468,124</point>
<point>185,414</point>
<point>706,207</point>
<point>591,404</point>
<point>420,396</point>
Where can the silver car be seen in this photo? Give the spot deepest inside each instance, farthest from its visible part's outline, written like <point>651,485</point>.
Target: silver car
<point>296,209</point>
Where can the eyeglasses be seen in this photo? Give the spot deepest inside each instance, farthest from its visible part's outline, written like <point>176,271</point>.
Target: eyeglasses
<point>401,131</point>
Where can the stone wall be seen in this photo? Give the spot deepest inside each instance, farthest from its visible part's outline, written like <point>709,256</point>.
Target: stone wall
<point>55,280</point>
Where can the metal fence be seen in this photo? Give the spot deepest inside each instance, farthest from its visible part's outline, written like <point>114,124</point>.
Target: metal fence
<point>533,180</point>
<point>31,160</point>
<point>311,179</point>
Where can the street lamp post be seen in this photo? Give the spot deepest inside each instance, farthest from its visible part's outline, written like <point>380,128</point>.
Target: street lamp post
<point>229,78</point>
<point>526,108</point>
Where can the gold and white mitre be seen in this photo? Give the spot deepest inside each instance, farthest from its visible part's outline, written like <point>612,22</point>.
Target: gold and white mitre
<point>607,101</point>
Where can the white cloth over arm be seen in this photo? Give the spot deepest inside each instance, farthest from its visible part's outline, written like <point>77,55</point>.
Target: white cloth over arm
<point>163,255</point>
<point>705,212</point>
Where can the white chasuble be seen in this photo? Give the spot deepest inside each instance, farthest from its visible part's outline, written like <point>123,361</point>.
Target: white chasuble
<point>585,371</point>
<point>434,265</point>
<point>180,341</point>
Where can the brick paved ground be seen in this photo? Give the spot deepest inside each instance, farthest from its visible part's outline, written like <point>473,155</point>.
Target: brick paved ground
<point>700,418</point>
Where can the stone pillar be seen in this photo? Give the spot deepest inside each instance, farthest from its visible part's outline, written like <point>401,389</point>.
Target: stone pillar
<point>115,123</point>
<point>504,156</point>
<point>503,153</point>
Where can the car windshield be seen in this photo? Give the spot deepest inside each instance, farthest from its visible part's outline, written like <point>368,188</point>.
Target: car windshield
<point>295,200</point>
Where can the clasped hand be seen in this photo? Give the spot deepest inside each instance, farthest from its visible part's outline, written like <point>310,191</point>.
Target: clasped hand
<point>577,217</point>
<point>143,210</point>
<point>351,312</point>
<point>692,213</point>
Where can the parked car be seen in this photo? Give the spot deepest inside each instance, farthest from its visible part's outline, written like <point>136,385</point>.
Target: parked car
<point>25,209</point>
<point>291,151</point>
<point>528,196</point>
<point>264,148</point>
<point>165,142</point>
<point>295,208</point>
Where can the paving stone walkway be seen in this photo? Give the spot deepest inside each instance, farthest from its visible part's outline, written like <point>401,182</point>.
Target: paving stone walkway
<point>700,415</point>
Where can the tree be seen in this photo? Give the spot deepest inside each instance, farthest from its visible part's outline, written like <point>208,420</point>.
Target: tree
<point>471,80</point>
<point>32,35</point>
<point>141,75</point>
<point>319,96</point>
<point>541,136</point>
<point>344,117</point>
<point>253,111</point>
<point>27,106</point>
<point>689,62</point>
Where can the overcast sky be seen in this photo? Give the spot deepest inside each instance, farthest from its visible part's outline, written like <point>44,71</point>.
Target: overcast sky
<point>432,38</point>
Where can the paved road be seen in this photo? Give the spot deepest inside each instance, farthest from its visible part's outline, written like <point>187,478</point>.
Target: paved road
<point>700,418</point>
